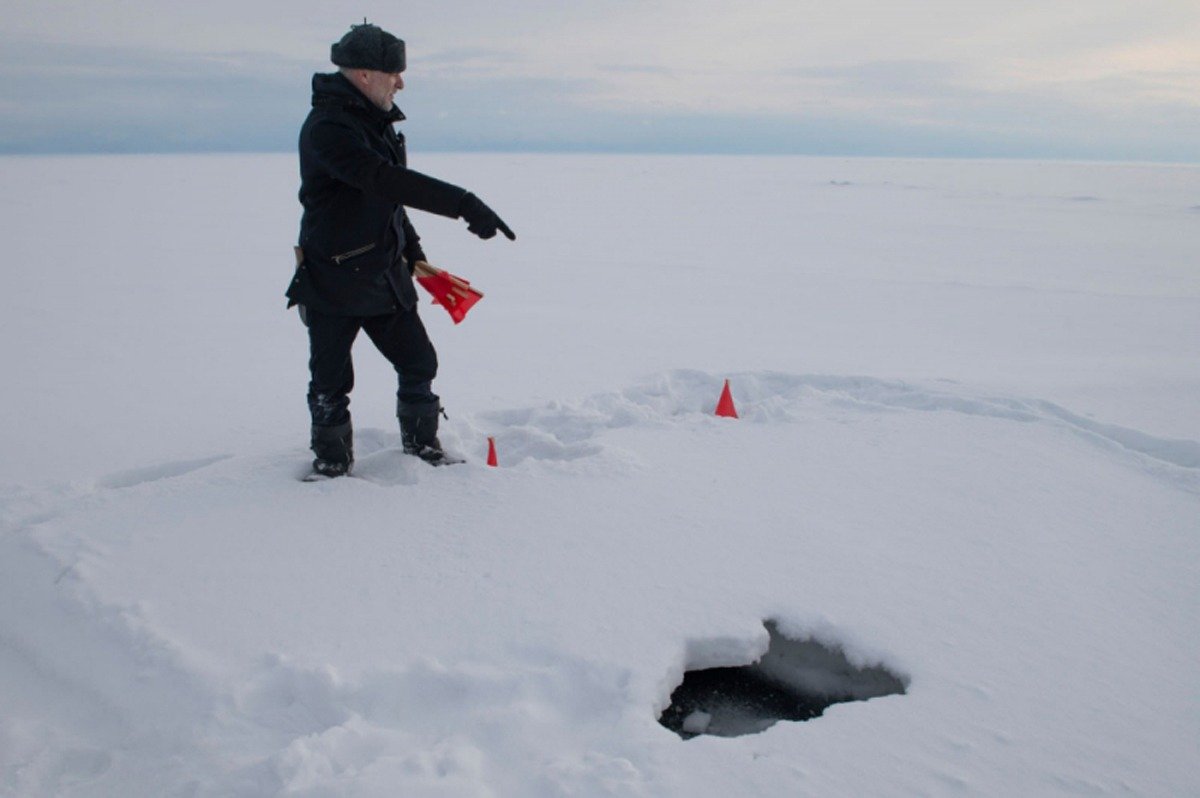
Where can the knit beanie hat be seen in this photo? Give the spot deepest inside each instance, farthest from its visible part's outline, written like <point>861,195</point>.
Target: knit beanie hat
<point>368,46</point>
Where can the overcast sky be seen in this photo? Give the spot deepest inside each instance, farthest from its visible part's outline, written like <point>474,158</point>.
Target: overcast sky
<point>1085,79</point>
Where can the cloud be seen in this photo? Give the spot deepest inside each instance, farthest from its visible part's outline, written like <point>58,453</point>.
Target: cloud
<point>638,69</point>
<point>860,77</point>
<point>70,98</point>
<point>919,76</point>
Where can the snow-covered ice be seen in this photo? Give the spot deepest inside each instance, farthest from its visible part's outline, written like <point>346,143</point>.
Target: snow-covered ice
<point>968,452</point>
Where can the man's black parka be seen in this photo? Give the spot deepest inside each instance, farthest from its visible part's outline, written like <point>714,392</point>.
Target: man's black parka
<point>357,241</point>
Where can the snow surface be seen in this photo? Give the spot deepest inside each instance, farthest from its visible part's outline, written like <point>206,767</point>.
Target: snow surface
<point>968,451</point>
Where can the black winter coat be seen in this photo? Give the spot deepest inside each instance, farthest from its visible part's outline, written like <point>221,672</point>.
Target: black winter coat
<point>354,184</point>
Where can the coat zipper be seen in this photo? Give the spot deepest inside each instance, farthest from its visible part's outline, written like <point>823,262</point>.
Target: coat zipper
<point>354,253</point>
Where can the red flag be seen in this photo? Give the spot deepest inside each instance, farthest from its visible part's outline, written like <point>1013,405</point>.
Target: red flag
<point>451,292</point>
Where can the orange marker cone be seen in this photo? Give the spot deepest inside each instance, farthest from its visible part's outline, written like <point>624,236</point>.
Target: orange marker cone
<point>492,453</point>
<point>725,406</point>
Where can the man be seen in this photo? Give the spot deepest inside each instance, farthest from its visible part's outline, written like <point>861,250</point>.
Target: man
<point>357,247</point>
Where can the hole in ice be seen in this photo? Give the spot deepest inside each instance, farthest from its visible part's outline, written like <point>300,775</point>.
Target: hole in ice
<point>795,680</point>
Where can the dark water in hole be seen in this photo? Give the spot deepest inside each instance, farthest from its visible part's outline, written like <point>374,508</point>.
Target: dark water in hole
<point>736,701</point>
<point>794,680</point>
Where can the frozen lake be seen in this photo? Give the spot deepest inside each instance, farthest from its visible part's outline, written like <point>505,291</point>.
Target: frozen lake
<point>968,453</point>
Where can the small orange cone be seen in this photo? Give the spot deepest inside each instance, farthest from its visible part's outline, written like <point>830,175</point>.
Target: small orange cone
<point>725,406</point>
<point>492,461</point>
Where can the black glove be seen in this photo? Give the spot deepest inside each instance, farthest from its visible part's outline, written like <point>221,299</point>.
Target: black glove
<point>413,255</point>
<point>482,220</point>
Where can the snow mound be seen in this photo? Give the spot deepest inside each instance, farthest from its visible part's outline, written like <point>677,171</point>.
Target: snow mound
<point>766,397</point>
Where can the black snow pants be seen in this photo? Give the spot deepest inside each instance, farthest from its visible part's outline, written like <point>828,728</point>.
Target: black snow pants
<point>399,336</point>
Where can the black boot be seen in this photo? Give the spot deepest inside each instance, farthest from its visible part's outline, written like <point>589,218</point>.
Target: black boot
<point>334,448</point>
<point>418,432</point>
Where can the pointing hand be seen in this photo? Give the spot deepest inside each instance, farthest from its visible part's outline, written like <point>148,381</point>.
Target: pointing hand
<point>482,220</point>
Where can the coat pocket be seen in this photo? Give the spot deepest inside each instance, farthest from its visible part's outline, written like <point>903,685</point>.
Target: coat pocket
<point>354,253</point>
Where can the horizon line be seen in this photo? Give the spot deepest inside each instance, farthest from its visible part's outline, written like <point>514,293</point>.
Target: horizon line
<point>682,152</point>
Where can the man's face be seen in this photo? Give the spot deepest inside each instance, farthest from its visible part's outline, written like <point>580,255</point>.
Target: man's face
<point>380,87</point>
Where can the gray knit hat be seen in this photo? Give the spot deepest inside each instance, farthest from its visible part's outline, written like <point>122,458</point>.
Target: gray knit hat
<point>368,46</point>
